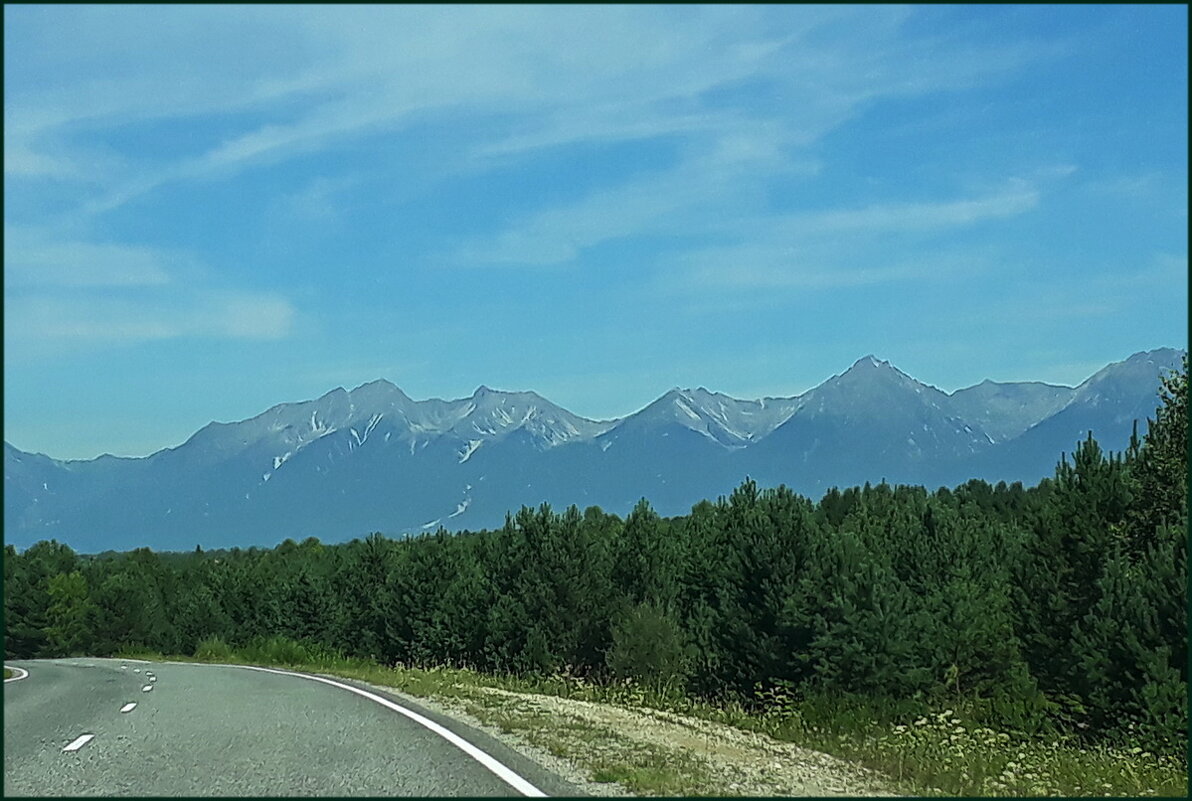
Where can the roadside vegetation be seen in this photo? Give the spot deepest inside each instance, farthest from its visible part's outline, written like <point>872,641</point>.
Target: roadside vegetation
<point>8,674</point>
<point>980,640</point>
<point>937,754</point>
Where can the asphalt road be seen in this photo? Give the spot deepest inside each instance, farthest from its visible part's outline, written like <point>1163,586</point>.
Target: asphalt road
<point>229,731</point>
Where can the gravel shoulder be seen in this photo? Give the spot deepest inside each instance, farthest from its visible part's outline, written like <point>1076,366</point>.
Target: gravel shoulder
<point>611,750</point>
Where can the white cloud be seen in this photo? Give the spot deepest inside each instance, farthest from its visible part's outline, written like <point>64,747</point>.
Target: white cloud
<point>716,187</point>
<point>317,202</point>
<point>108,320</point>
<point>814,266</point>
<point>563,76</point>
<point>63,290</point>
<point>1018,198</point>
<point>34,258</point>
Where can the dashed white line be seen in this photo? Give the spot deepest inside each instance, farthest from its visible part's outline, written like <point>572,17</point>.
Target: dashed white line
<point>24,674</point>
<point>130,706</point>
<point>153,678</point>
<point>79,742</point>
<point>147,688</point>
<point>136,670</point>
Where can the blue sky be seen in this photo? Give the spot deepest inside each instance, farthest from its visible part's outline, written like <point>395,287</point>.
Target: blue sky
<point>210,210</point>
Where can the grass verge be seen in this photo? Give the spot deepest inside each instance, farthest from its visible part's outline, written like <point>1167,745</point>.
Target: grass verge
<point>939,754</point>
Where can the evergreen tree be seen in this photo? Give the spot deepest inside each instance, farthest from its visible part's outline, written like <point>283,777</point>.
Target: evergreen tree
<point>648,646</point>
<point>1160,472</point>
<point>67,633</point>
<point>1072,527</point>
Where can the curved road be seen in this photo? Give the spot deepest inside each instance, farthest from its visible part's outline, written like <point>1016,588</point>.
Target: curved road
<point>227,730</point>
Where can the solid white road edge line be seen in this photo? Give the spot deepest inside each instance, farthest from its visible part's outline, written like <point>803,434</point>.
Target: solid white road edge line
<point>79,742</point>
<point>24,673</point>
<point>130,706</point>
<point>499,770</point>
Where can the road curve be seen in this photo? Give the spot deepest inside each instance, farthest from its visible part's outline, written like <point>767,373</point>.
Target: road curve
<point>216,730</point>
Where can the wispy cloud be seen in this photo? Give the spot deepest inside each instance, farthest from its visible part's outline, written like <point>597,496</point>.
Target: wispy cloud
<point>692,196</point>
<point>557,76</point>
<point>91,321</point>
<point>1018,198</point>
<point>320,201</point>
<point>32,258</point>
<point>62,293</point>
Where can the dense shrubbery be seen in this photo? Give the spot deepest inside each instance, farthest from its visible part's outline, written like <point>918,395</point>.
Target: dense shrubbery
<point>1061,605</point>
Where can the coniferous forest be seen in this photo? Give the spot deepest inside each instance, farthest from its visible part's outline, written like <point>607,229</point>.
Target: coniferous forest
<point>1061,605</point>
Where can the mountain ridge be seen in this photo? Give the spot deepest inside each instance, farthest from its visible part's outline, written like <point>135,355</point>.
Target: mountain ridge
<point>372,458</point>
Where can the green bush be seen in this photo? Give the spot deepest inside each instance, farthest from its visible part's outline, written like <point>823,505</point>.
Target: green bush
<point>276,651</point>
<point>213,648</point>
<point>649,648</point>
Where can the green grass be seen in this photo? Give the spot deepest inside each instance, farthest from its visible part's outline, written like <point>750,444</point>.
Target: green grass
<point>8,674</point>
<point>944,753</point>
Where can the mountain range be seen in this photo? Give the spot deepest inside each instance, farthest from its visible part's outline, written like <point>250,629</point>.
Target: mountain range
<point>373,459</point>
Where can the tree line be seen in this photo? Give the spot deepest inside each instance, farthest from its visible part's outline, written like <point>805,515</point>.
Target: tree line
<point>1061,604</point>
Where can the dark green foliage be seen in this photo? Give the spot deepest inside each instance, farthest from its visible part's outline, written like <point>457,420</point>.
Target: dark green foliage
<point>1061,605</point>
<point>1160,473</point>
<point>66,617</point>
<point>649,647</point>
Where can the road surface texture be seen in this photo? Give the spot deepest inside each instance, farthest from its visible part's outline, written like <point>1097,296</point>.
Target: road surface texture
<point>230,731</point>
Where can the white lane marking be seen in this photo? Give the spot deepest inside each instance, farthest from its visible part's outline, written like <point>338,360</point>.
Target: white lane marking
<point>124,667</point>
<point>79,742</point>
<point>130,706</point>
<point>136,670</point>
<point>24,674</point>
<point>502,772</point>
<point>153,678</point>
<point>147,688</point>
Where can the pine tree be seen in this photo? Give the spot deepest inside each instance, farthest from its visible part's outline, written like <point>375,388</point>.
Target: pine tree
<point>1072,525</point>
<point>1160,471</point>
<point>66,619</point>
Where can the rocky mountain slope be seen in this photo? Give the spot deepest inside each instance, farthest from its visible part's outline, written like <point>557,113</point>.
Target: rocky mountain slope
<point>373,459</point>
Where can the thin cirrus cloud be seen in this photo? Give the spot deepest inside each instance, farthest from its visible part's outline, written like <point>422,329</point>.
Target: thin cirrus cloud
<point>842,248</point>
<point>65,320</point>
<point>59,292</point>
<point>380,71</point>
<point>726,173</point>
<point>35,256</point>
<point>1019,198</point>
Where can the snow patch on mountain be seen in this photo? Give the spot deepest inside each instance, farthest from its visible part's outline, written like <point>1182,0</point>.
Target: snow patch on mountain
<point>459,509</point>
<point>471,447</point>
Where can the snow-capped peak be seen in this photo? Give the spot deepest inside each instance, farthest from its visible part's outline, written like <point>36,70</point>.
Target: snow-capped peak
<point>731,422</point>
